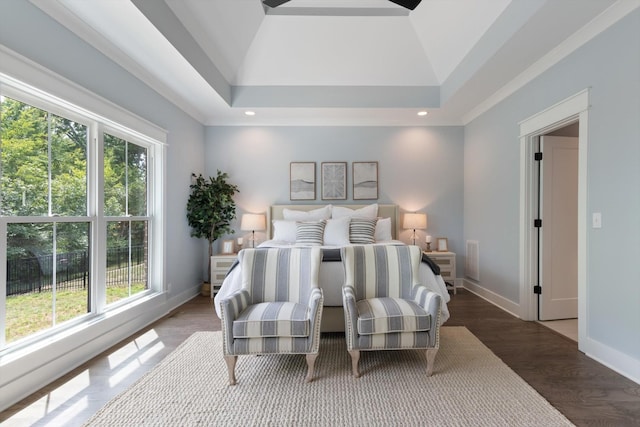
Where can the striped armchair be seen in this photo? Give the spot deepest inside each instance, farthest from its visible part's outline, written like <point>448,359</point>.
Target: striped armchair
<point>385,306</point>
<point>277,310</point>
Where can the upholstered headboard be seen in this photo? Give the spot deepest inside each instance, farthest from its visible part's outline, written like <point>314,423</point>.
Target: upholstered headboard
<point>384,211</point>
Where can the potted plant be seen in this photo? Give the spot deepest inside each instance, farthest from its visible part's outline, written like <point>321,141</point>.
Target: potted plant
<point>210,210</point>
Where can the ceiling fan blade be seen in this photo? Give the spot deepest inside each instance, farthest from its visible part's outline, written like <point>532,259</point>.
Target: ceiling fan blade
<point>274,3</point>
<point>409,4</point>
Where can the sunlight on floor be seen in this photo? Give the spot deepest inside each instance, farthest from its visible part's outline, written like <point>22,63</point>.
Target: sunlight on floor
<point>566,327</point>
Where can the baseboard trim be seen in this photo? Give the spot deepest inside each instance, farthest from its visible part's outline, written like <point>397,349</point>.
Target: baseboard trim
<point>495,299</point>
<point>613,359</point>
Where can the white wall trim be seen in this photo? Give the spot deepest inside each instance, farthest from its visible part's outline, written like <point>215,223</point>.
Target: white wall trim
<point>573,108</point>
<point>613,359</point>
<point>498,300</point>
<point>33,78</point>
<point>606,19</point>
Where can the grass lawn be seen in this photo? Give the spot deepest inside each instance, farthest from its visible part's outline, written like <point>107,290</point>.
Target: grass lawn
<point>30,313</point>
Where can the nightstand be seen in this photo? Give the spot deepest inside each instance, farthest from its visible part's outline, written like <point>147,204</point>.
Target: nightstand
<point>447,263</point>
<point>220,265</point>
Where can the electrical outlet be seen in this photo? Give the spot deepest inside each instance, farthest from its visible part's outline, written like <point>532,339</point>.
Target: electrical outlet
<point>596,220</point>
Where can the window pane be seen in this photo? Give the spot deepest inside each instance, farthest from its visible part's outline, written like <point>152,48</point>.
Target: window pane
<point>68,167</point>
<point>43,290</point>
<point>24,159</point>
<point>137,171</point>
<point>72,270</point>
<point>115,170</point>
<point>125,177</point>
<point>127,262</point>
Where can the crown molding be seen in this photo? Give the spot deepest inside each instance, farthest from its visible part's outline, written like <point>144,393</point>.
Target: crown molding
<point>606,19</point>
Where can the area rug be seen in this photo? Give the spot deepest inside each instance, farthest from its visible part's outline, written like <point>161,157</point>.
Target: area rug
<point>470,387</point>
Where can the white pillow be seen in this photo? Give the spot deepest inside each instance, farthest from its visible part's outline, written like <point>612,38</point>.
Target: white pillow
<point>336,232</point>
<point>370,211</point>
<point>313,215</point>
<point>284,230</point>
<point>383,230</point>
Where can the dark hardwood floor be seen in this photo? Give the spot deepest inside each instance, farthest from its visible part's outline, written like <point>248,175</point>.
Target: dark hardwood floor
<point>585,391</point>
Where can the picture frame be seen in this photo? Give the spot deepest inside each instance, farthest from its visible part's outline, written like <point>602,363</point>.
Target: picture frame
<point>302,181</point>
<point>365,180</point>
<point>334,180</point>
<point>228,247</point>
<point>442,244</point>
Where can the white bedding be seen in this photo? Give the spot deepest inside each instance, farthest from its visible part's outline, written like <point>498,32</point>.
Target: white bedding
<point>331,279</point>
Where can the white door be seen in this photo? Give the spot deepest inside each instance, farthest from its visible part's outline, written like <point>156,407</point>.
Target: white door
<point>559,234</point>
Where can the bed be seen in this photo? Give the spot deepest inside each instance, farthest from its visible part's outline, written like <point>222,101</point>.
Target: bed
<point>281,224</point>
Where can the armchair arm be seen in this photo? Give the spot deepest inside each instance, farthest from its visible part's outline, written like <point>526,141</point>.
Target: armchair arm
<point>316,302</point>
<point>350,315</point>
<point>427,299</point>
<point>431,302</point>
<point>230,308</point>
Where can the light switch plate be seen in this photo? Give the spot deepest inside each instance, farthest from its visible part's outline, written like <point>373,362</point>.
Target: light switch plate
<point>596,220</point>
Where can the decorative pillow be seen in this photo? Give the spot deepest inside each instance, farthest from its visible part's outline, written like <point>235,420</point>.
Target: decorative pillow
<point>370,211</point>
<point>383,230</point>
<point>284,230</point>
<point>336,232</point>
<point>310,233</point>
<point>362,230</point>
<point>313,215</point>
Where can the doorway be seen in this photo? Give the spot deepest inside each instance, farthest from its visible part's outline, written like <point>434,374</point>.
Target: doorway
<point>558,232</point>
<point>557,284</point>
<point>564,118</point>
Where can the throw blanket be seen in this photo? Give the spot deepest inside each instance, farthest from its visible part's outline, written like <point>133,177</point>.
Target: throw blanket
<point>333,255</point>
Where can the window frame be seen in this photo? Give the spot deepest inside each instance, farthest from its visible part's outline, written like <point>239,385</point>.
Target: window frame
<point>97,125</point>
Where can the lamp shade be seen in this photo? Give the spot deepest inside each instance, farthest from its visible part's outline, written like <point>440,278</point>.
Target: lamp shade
<point>253,222</point>
<point>415,221</point>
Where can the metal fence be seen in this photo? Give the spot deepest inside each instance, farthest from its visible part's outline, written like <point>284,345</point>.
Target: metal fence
<point>35,274</point>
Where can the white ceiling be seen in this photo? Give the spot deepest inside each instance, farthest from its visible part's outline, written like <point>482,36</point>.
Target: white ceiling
<point>338,62</point>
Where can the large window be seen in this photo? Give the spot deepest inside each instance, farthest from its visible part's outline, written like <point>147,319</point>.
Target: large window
<point>76,217</point>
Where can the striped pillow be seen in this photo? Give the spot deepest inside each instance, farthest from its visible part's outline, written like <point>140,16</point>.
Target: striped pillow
<point>362,230</point>
<point>310,232</point>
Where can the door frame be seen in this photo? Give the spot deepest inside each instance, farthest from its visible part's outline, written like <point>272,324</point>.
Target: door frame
<point>572,109</point>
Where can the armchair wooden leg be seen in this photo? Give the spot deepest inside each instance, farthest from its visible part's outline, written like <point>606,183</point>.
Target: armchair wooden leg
<point>431,357</point>
<point>311,361</point>
<point>231,368</point>
<point>355,358</point>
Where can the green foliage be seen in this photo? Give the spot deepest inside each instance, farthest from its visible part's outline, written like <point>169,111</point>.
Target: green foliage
<point>43,170</point>
<point>211,208</point>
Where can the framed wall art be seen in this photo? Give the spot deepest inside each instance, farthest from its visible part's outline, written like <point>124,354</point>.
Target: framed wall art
<point>334,180</point>
<point>302,181</point>
<point>365,180</point>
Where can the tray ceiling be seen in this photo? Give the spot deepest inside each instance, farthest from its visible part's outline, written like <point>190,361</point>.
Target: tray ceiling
<point>349,62</point>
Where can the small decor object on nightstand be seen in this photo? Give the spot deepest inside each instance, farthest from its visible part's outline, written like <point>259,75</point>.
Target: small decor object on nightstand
<point>228,247</point>
<point>428,242</point>
<point>443,244</point>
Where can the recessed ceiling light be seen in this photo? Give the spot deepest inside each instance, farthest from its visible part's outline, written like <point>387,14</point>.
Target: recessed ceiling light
<point>422,113</point>
<point>250,113</point>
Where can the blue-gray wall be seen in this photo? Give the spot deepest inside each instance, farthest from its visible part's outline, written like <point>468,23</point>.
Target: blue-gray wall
<point>419,168</point>
<point>610,66</point>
